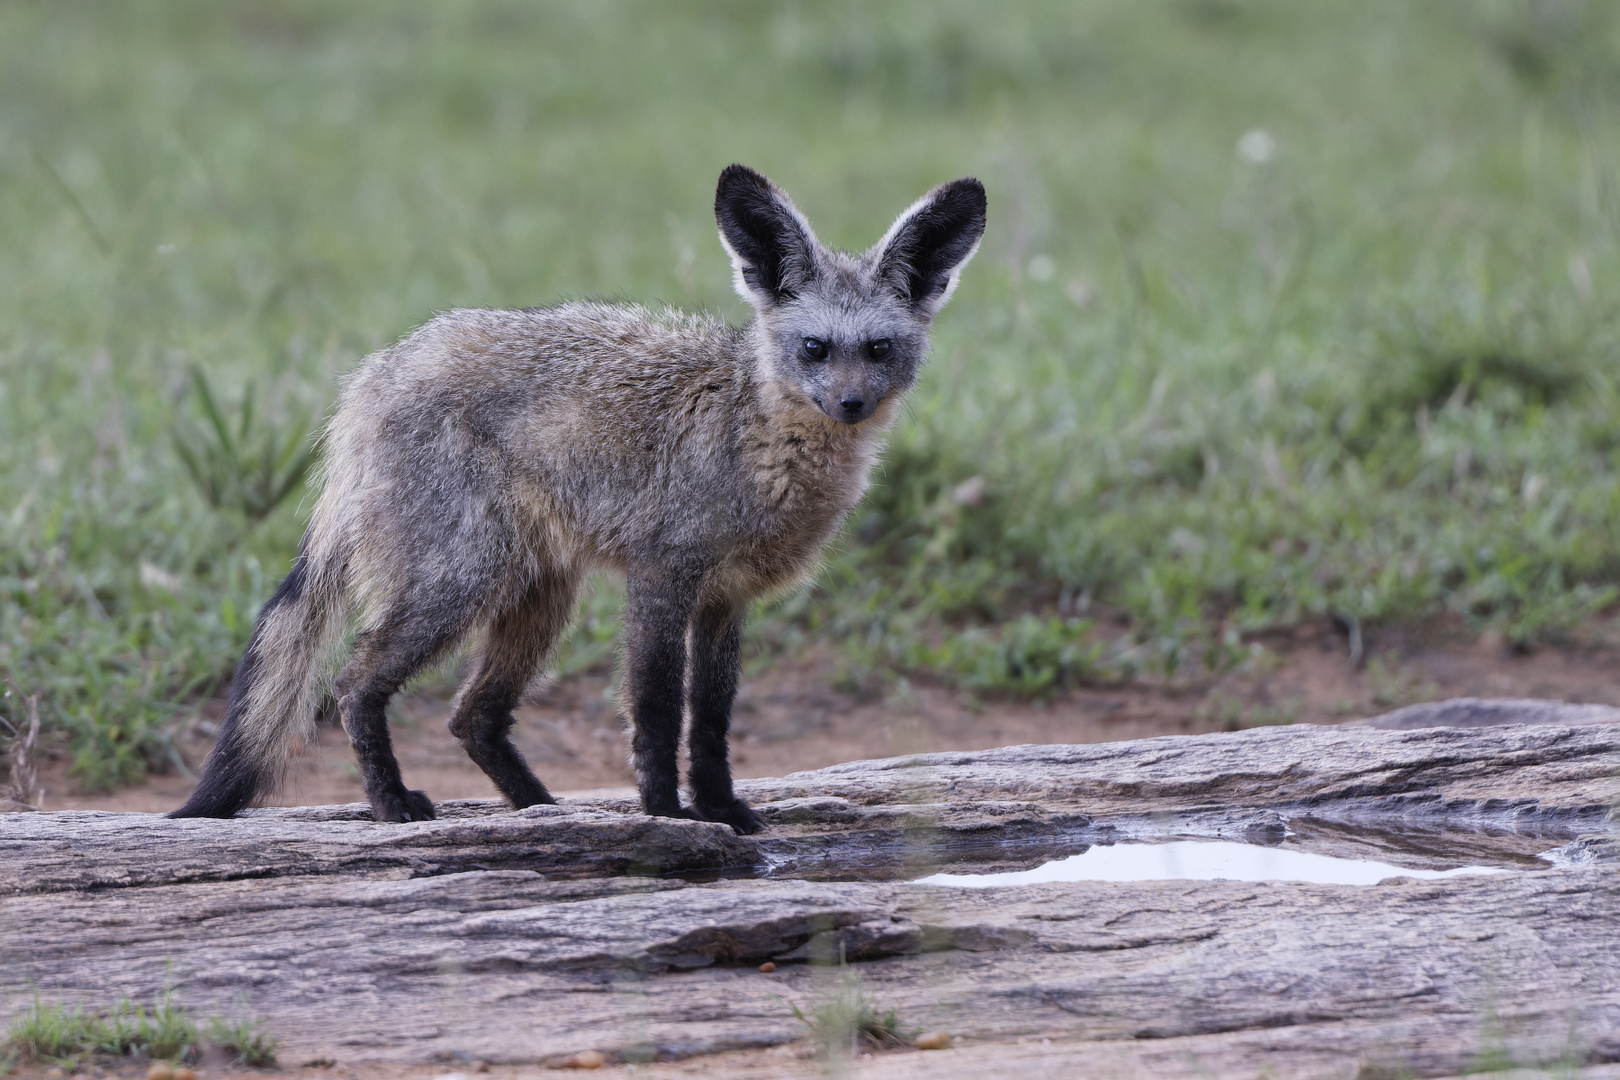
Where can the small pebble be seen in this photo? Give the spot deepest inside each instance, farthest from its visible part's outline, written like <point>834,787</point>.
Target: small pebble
<point>934,1040</point>
<point>181,1072</point>
<point>767,967</point>
<point>480,1066</point>
<point>160,1070</point>
<point>585,1059</point>
<point>55,1073</point>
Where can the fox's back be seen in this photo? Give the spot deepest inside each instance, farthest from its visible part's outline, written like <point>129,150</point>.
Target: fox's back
<point>612,428</point>
<point>586,363</point>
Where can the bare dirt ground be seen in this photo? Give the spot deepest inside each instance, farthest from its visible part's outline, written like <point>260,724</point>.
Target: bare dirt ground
<point>789,716</point>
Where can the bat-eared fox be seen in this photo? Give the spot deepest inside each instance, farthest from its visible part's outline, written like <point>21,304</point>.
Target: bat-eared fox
<point>476,471</point>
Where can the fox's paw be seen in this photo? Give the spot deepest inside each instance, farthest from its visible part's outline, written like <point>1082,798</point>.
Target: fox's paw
<point>402,806</point>
<point>532,793</point>
<point>743,819</point>
<point>674,811</point>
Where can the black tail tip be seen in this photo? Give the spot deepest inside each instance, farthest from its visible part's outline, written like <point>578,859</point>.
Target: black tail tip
<point>202,808</point>
<point>221,794</point>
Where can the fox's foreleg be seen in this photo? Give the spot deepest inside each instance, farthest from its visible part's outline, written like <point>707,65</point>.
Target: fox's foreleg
<point>716,658</point>
<point>658,607</point>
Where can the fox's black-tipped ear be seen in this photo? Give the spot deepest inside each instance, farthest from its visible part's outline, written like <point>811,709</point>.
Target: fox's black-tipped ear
<point>922,254</point>
<point>771,246</point>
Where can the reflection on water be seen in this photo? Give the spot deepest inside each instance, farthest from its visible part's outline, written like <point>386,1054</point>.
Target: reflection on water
<point>1199,860</point>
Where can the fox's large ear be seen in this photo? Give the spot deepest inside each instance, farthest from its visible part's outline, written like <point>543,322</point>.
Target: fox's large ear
<point>922,254</point>
<point>771,246</point>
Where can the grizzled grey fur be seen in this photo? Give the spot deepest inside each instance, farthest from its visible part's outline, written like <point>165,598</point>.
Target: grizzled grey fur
<point>478,470</point>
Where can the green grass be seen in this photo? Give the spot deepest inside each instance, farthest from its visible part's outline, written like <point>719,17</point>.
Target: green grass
<point>1182,397</point>
<point>247,1040</point>
<point>162,1030</point>
<point>52,1030</point>
<point>845,1019</point>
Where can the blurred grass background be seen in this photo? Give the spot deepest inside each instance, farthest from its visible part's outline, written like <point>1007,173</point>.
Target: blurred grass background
<point>1286,311</point>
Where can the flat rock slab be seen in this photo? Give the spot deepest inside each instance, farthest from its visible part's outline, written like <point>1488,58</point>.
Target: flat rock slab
<point>1490,712</point>
<point>98,850</point>
<point>525,936</point>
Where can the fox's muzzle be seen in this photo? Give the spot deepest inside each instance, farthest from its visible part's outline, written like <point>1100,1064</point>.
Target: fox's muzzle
<point>850,407</point>
<point>851,402</point>
<point>853,408</point>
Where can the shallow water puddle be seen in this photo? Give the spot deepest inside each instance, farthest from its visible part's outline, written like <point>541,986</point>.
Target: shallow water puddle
<point>1202,860</point>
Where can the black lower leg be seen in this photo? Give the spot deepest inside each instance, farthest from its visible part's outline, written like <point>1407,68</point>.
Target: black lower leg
<point>365,718</point>
<point>653,747</point>
<point>655,670</point>
<point>483,723</point>
<point>514,648</point>
<point>716,658</point>
<point>383,661</point>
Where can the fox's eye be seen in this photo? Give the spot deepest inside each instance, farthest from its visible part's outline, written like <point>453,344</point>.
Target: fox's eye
<point>815,348</point>
<point>878,349</point>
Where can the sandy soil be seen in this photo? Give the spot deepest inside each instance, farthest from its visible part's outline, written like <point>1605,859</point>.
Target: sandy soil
<point>789,716</point>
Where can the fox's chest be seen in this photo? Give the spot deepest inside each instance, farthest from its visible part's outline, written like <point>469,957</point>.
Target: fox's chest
<point>804,484</point>
<point>802,473</point>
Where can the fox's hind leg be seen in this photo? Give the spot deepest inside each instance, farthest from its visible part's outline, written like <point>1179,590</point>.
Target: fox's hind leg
<point>517,643</point>
<point>716,656</point>
<point>417,630</point>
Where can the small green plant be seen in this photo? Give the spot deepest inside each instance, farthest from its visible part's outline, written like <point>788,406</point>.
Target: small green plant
<point>1390,687</point>
<point>847,1018</point>
<point>249,466</point>
<point>57,1032</point>
<point>1235,714</point>
<point>1027,656</point>
<point>52,1031</point>
<point>247,1040</point>
<point>166,1032</point>
<point>23,792</point>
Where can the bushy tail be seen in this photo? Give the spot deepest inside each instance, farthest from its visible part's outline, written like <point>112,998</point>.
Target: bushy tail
<point>275,692</point>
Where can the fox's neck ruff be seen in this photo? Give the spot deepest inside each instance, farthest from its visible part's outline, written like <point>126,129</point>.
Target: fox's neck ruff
<point>804,461</point>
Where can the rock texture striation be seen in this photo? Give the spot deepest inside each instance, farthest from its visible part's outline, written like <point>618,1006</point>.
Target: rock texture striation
<point>531,935</point>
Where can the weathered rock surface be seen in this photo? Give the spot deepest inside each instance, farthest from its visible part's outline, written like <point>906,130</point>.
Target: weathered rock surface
<point>525,936</point>
<point>92,850</point>
<point>1489,712</point>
